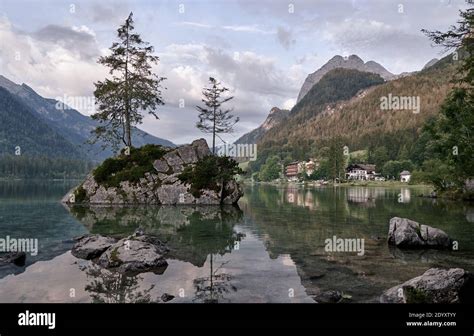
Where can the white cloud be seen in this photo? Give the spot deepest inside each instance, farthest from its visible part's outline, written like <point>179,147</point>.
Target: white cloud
<point>52,63</point>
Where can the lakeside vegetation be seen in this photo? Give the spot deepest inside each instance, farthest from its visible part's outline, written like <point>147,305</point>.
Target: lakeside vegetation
<point>434,143</point>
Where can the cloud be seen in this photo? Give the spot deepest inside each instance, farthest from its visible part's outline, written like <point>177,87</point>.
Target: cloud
<point>380,41</point>
<point>51,59</point>
<point>80,40</point>
<point>235,28</point>
<point>105,11</point>
<point>256,82</point>
<point>285,37</point>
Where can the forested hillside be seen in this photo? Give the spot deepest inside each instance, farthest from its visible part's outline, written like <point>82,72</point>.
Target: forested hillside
<point>344,105</point>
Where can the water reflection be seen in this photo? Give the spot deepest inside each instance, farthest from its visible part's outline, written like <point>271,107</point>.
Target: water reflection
<point>191,232</point>
<point>272,242</point>
<point>113,287</point>
<point>306,217</point>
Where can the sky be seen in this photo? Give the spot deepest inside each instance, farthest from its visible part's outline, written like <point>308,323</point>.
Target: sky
<point>261,50</point>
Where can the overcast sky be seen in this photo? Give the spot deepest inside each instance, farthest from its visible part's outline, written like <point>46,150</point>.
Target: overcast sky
<point>262,50</point>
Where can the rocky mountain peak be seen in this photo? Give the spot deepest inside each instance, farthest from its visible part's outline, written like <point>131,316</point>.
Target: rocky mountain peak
<point>275,117</point>
<point>350,62</point>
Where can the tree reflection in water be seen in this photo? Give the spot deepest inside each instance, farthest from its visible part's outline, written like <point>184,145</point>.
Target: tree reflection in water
<point>114,287</point>
<point>211,289</point>
<point>194,234</point>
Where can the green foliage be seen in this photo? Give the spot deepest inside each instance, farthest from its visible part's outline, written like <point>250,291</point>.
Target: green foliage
<point>80,195</point>
<point>211,172</point>
<point>132,90</point>
<point>44,167</point>
<point>393,168</point>
<point>436,172</point>
<point>212,118</point>
<point>336,160</point>
<point>451,140</point>
<point>338,84</point>
<point>415,295</point>
<point>128,167</point>
<point>21,128</point>
<point>379,157</point>
<point>271,169</point>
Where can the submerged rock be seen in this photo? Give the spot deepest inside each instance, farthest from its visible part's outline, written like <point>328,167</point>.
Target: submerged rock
<point>135,255</point>
<point>162,185</point>
<point>91,246</point>
<point>330,296</point>
<point>167,297</point>
<point>16,258</point>
<point>405,233</point>
<point>434,286</point>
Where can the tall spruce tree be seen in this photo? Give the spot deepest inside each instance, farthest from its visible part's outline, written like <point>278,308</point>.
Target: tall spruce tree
<point>132,90</point>
<point>212,118</point>
<point>451,134</point>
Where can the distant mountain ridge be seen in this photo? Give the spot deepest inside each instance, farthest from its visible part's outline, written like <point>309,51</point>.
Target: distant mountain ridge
<point>275,117</point>
<point>69,123</point>
<point>352,62</point>
<point>23,132</point>
<point>328,111</point>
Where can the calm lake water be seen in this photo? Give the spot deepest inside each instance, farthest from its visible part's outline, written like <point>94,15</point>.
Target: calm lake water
<point>269,249</point>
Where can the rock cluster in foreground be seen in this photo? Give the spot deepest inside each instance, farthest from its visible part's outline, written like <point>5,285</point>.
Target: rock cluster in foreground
<point>132,255</point>
<point>160,186</point>
<point>405,233</point>
<point>434,286</point>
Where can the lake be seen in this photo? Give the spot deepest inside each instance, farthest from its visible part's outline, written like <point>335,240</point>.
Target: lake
<point>271,248</point>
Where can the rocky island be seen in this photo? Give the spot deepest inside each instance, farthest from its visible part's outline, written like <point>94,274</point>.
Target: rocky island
<point>154,174</point>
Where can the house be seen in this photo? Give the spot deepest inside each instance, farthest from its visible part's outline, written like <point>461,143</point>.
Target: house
<point>361,172</point>
<point>311,166</point>
<point>292,170</point>
<point>405,176</point>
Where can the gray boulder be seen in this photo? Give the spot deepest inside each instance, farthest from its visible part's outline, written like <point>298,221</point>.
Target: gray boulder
<point>174,161</point>
<point>91,246</point>
<point>434,286</point>
<point>202,149</point>
<point>188,154</point>
<point>161,166</point>
<point>135,255</point>
<point>405,233</point>
<point>330,296</point>
<point>161,186</point>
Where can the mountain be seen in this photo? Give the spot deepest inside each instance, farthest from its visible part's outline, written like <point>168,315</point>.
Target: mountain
<point>275,117</point>
<point>351,62</point>
<point>69,123</point>
<point>430,63</point>
<point>20,126</point>
<point>327,111</point>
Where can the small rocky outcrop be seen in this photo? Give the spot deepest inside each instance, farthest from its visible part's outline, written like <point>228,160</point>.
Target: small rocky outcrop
<point>405,233</point>
<point>16,258</point>
<point>91,246</point>
<point>159,185</point>
<point>132,255</point>
<point>330,296</point>
<point>434,286</point>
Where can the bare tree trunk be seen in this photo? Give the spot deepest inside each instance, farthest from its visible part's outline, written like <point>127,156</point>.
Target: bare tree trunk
<point>128,135</point>
<point>214,133</point>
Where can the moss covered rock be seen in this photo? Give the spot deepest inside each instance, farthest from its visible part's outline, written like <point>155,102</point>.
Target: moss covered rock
<point>153,174</point>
